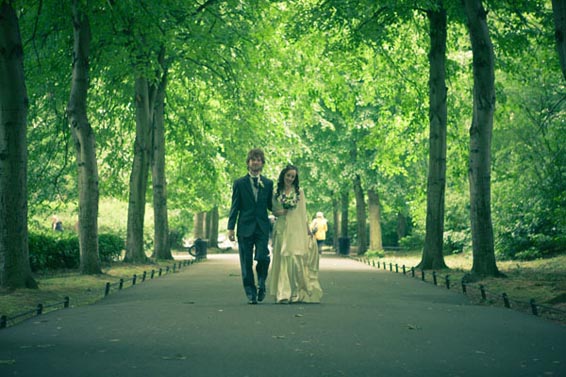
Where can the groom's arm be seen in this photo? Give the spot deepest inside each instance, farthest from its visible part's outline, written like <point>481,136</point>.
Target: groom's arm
<point>234,211</point>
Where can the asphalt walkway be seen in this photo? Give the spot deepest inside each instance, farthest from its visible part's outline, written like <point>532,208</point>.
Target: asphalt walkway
<point>197,323</point>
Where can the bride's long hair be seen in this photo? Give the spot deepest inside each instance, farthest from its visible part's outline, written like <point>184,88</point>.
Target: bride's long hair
<point>281,181</point>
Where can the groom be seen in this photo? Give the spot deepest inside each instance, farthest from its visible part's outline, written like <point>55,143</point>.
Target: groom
<point>251,198</point>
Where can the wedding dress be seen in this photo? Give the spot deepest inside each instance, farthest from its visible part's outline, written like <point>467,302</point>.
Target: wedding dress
<point>294,268</point>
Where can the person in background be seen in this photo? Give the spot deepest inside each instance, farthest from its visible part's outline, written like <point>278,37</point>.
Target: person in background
<point>319,227</point>
<point>56,224</point>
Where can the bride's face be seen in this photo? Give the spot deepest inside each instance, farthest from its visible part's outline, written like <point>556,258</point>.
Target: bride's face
<point>290,177</point>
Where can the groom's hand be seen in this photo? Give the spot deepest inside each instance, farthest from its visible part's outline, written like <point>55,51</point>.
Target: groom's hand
<point>231,235</point>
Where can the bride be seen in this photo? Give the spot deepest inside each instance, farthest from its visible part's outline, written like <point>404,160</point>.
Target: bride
<point>294,270</point>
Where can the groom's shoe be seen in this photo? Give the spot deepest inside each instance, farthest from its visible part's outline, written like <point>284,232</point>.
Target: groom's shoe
<point>252,299</point>
<point>261,294</point>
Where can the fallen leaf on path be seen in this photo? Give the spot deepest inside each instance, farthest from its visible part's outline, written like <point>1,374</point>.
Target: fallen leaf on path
<point>279,336</point>
<point>413,327</point>
<point>176,357</point>
<point>299,315</point>
<point>7,362</point>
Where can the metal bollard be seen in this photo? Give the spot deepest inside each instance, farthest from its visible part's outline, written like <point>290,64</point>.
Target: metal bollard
<point>505,300</point>
<point>144,275</point>
<point>434,277</point>
<point>39,309</point>
<point>107,289</point>
<point>378,264</point>
<point>152,274</point>
<point>482,290</point>
<point>413,271</point>
<point>534,308</point>
<point>160,271</point>
<point>396,268</point>
<point>390,266</point>
<point>121,285</point>
<point>66,302</point>
<point>422,275</point>
<point>3,322</point>
<point>404,270</point>
<point>134,278</point>
<point>447,281</point>
<point>463,287</point>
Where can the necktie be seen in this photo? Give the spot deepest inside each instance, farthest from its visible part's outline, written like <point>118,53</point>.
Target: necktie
<point>256,185</point>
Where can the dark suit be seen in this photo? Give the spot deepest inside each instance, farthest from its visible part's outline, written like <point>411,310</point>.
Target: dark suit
<point>252,230</point>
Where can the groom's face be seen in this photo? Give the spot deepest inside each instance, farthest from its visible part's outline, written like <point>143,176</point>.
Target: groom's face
<point>255,165</point>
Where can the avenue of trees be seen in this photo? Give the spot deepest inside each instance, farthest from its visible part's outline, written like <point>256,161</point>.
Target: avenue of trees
<point>437,125</point>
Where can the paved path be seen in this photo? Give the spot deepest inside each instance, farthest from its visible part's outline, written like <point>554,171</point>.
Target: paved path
<point>197,323</point>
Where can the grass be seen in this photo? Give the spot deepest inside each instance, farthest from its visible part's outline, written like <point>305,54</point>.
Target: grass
<point>543,280</point>
<point>81,289</point>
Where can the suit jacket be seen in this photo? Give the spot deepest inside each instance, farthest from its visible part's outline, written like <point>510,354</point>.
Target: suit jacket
<point>246,210</point>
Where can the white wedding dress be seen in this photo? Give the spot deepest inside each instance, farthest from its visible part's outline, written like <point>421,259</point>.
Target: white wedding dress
<point>294,268</point>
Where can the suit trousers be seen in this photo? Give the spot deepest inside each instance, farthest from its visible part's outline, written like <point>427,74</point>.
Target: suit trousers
<point>257,242</point>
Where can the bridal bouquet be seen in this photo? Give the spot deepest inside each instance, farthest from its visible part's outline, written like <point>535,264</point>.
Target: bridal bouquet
<point>289,201</point>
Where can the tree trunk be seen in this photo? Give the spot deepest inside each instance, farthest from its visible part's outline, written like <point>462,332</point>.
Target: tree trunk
<point>200,225</point>
<point>85,146</point>
<point>480,141</point>
<point>432,257</point>
<point>162,248</point>
<point>336,225</point>
<point>360,216</point>
<point>375,235</point>
<point>401,226</point>
<point>344,204</point>
<point>559,11</point>
<point>135,252</point>
<point>15,270</point>
<point>213,235</point>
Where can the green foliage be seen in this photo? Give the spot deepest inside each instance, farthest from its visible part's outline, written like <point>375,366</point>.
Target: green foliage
<point>374,254</point>
<point>60,250</point>
<point>457,241</point>
<point>414,241</point>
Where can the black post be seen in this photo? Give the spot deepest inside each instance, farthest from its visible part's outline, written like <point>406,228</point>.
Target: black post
<point>378,264</point>
<point>160,271</point>
<point>39,309</point>
<point>463,286</point>
<point>66,302</point>
<point>422,275</point>
<point>144,275</point>
<point>404,271</point>
<point>413,271</point>
<point>434,277</point>
<point>396,268</point>
<point>482,290</point>
<point>390,266</point>
<point>134,278</point>
<point>447,280</point>
<point>505,300</point>
<point>534,306</point>
<point>3,322</point>
<point>152,273</point>
<point>107,289</point>
<point>121,284</point>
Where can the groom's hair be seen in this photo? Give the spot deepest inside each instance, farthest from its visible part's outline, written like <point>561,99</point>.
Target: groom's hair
<point>255,153</point>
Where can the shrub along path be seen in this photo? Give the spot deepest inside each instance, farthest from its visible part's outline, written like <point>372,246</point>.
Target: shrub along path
<point>198,323</point>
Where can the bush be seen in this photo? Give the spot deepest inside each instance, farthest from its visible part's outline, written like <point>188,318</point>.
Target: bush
<point>374,254</point>
<point>456,242</point>
<point>413,241</point>
<point>53,251</point>
<point>110,247</point>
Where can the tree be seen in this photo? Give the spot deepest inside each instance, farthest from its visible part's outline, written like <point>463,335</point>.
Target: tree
<point>480,140</point>
<point>432,257</point>
<point>559,11</point>
<point>85,145</point>
<point>15,270</point>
